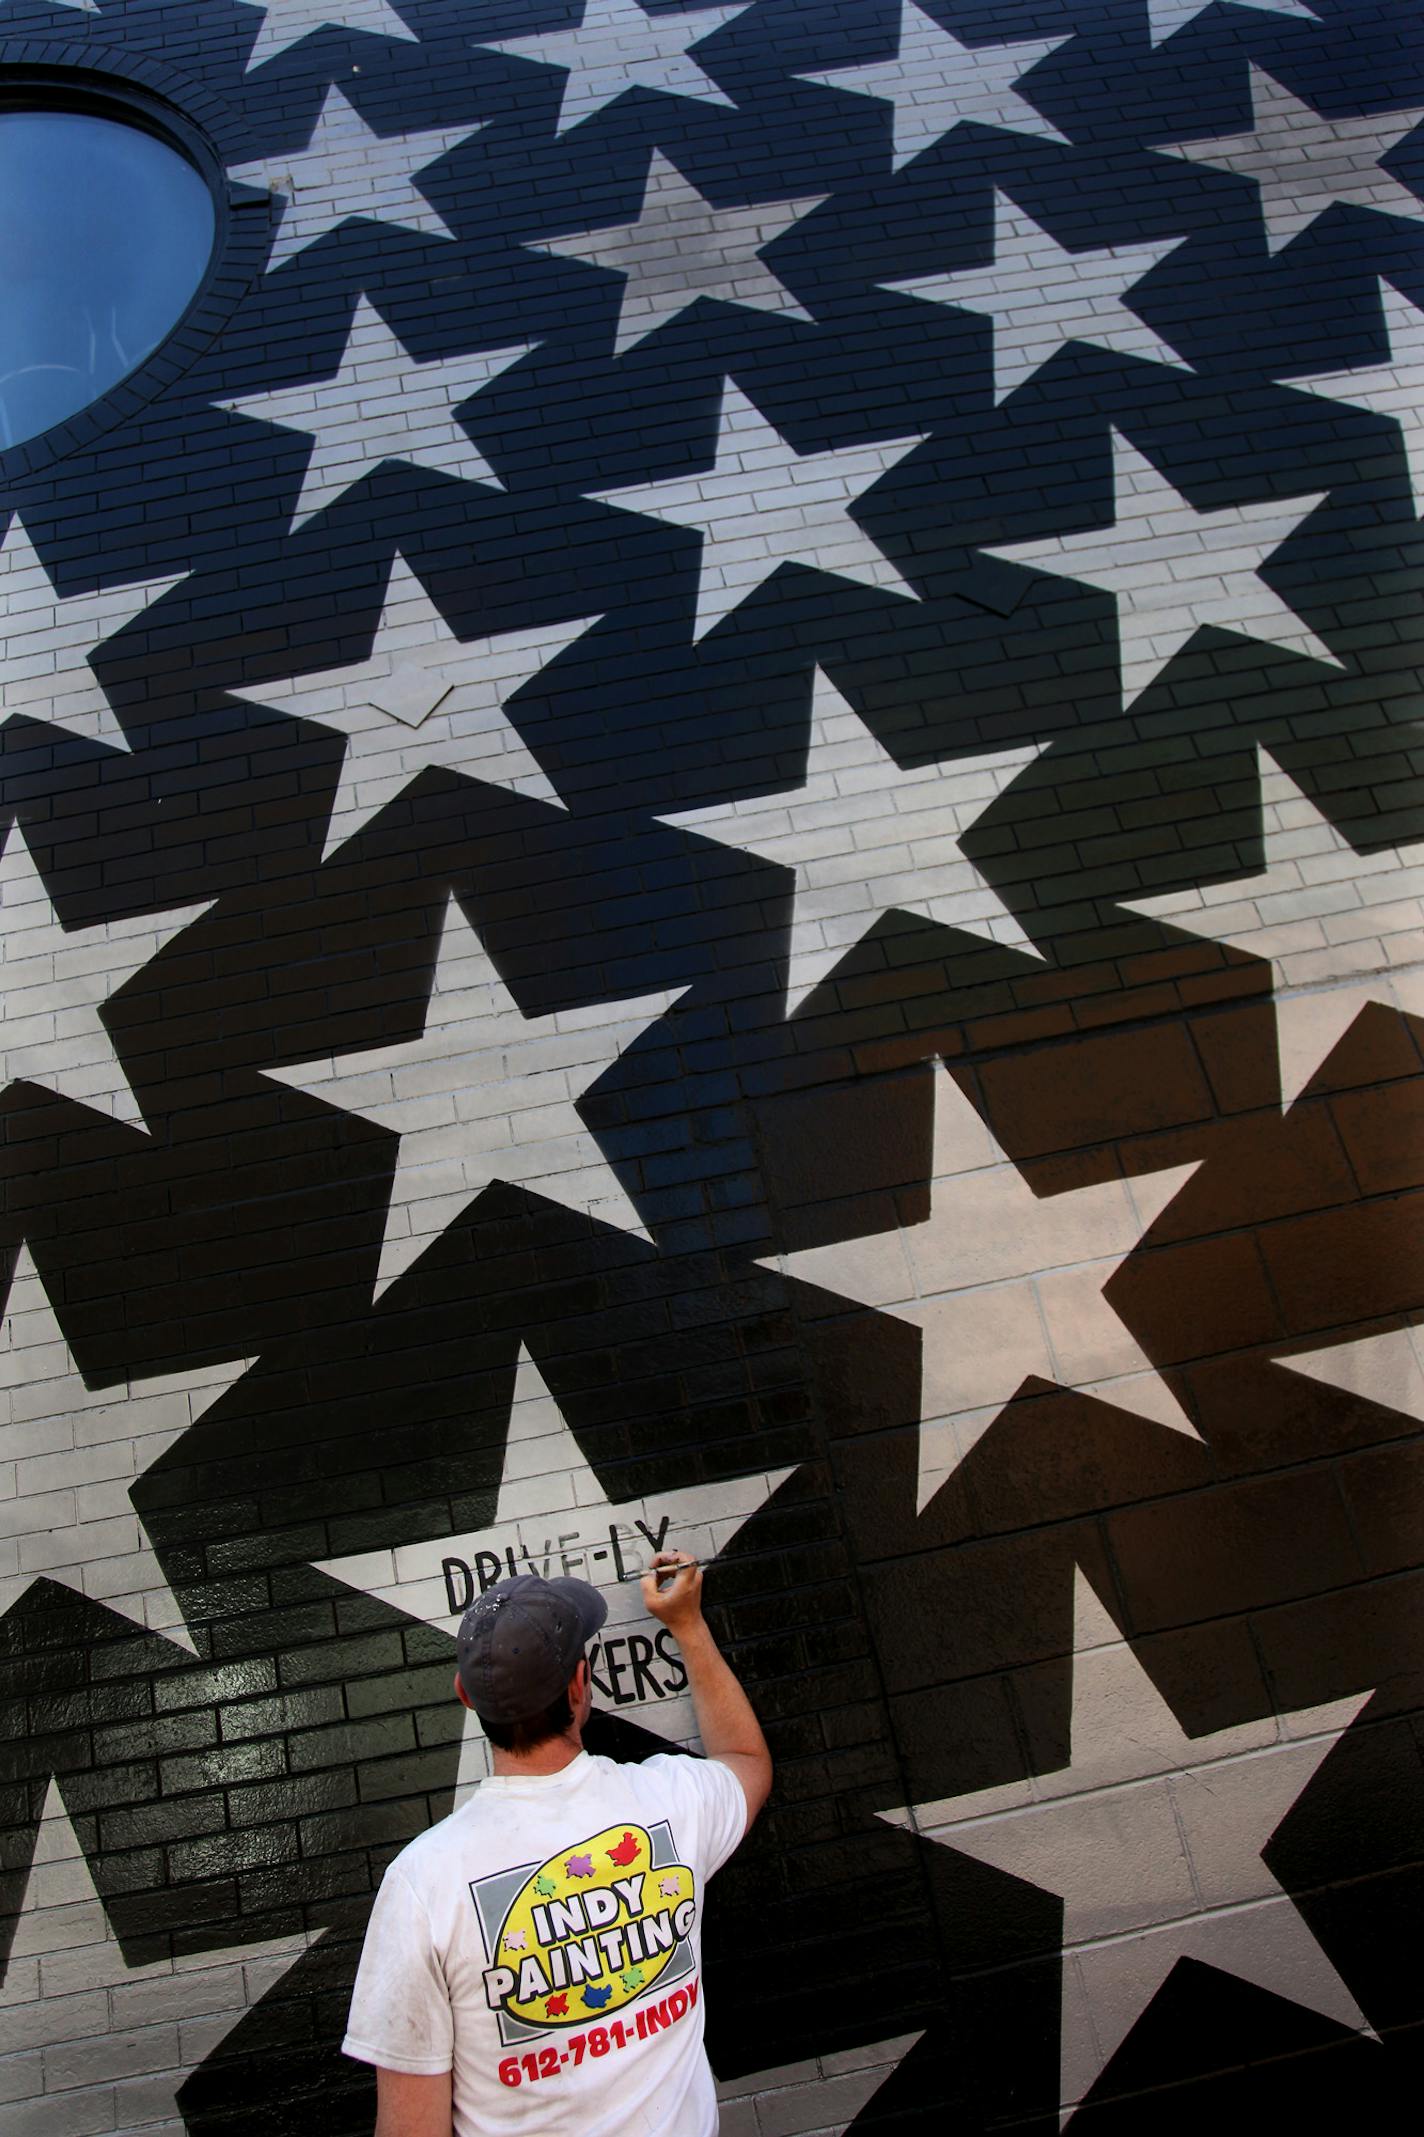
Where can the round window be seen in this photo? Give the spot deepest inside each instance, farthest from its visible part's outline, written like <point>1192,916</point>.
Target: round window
<point>105,236</point>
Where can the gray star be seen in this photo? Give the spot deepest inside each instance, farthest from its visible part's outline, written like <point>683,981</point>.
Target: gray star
<point>47,639</point>
<point>424,698</point>
<point>118,2041</point>
<point>347,169</point>
<point>1153,1841</point>
<point>1320,912</point>
<point>287,22</point>
<point>1041,297</point>
<point>73,1453</point>
<point>1166,17</point>
<point>762,505</point>
<point>553,1516</point>
<point>903,827</point>
<point>1005,1285</point>
<point>936,83</point>
<point>406,406</point>
<point>484,1094</point>
<point>54,983</point>
<point>1173,570</point>
<point>825,2096</point>
<point>1303,163</point>
<point>617,47</point>
<point>1392,388</point>
<point>682,248</point>
<point>1386,1368</point>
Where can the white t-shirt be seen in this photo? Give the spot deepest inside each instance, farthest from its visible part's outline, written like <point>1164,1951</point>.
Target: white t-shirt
<point>544,1943</point>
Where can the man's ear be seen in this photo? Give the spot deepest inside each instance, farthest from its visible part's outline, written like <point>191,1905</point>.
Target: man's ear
<point>579,1682</point>
<point>461,1694</point>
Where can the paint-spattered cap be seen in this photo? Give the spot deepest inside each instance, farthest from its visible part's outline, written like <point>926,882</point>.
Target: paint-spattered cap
<point>519,1641</point>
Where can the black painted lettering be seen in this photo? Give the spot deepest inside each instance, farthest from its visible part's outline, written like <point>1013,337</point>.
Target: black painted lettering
<point>459,1585</point>
<point>615,1665</point>
<point>640,1655</point>
<point>668,1649</point>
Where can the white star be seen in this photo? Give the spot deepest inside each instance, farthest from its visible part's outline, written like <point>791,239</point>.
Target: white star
<point>1174,571</point>
<point>485,1094</point>
<point>1316,910</point>
<point>54,981</point>
<point>73,1452</point>
<point>902,830</point>
<point>287,22</point>
<point>682,248</point>
<point>406,410</point>
<point>1005,1286</point>
<point>424,698</point>
<point>1152,1839</point>
<point>46,639</point>
<point>1304,163</point>
<point>1042,297</point>
<point>1387,1369</point>
<point>1166,17</point>
<point>119,2040</point>
<point>936,83</point>
<point>348,169</point>
<point>554,1517</point>
<point>763,505</point>
<point>1394,388</point>
<point>829,2102</point>
<point>617,47</point>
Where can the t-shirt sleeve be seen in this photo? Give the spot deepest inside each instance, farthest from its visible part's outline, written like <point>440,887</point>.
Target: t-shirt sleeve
<point>400,2007</point>
<point>714,1800</point>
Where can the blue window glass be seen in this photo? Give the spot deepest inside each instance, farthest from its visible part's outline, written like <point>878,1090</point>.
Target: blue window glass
<point>105,236</point>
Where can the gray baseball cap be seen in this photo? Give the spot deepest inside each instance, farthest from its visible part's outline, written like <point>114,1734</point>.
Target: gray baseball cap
<point>519,1641</point>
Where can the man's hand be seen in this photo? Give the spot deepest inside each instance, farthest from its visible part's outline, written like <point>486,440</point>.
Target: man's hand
<point>679,1604</point>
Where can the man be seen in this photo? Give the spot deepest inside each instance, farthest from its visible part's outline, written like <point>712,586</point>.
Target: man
<point>533,1962</point>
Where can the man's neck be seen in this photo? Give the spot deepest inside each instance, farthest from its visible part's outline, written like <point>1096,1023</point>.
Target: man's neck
<point>552,1756</point>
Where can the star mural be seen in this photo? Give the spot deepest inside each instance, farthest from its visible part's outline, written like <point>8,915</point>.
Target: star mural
<point>617,47</point>
<point>1173,570</point>
<point>348,169</point>
<point>73,1451</point>
<point>681,248</point>
<point>423,698</point>
<point>798,511</point>
<point>1040,297</point>
<point>553,1517</point>
<point>287,22</point>
<point>1389,389</point>
<point>1387,1368</point>
<point>1005,1286</point>
<point>47,638</point>
<point>935,83</point>
<point>1153,1840</point>
<point>122,2039</point>
<point>905,826</point>
<point>54,982</point>
<point>1303,163</point>
<point>484,1094</point>
<point>1166,17</point>
<point>1270,915</point>
<point>409,407</point>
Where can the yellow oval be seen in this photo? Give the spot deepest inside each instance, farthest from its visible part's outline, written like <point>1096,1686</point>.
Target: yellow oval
<point>592,1928</point>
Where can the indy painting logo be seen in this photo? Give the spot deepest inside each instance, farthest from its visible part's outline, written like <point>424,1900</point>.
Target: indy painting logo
<point>582,1935</point>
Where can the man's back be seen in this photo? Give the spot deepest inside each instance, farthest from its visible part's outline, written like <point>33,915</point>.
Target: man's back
<point>545,1940</point>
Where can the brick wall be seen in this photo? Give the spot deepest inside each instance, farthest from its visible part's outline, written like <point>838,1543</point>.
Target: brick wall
<point>713,831</point>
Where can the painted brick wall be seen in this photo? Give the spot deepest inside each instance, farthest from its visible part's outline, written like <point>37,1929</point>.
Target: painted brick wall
<point>713,830</point>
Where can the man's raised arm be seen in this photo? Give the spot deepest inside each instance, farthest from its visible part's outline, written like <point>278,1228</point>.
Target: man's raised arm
<point>729,1729</point>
